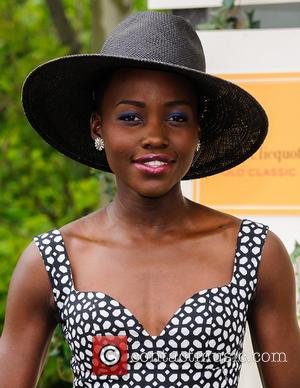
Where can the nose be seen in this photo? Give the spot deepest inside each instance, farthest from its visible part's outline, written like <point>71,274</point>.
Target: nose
<point>155,136</point>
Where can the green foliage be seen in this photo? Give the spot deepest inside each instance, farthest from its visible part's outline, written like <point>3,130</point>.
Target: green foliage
<point>57,372</point>
<point>40,188</point>
<point>142,5</point>
<point>139,5</point>
<point>229,4</point>
<point>60,351</point>
<point>230,16</point>
<point>295,257</point>
<point>252,23</point>
<point>296,252</point>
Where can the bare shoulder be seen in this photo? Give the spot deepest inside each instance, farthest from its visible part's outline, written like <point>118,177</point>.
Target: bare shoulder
<point>275,248</point>
<point>275,293</point>
<point>30,275</point>
<point>275,270</point>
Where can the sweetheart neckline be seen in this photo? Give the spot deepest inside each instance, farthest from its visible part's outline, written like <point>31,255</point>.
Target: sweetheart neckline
<point>137,321</point>
<point>123,307</point>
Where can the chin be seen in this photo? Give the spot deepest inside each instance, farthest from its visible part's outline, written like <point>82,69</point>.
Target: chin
<point>159,191</point>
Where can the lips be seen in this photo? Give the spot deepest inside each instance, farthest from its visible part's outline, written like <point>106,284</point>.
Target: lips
<point>154,157</point>
<point>154,163</point>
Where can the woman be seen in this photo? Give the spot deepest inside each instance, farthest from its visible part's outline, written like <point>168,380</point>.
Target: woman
<point>115,278</point>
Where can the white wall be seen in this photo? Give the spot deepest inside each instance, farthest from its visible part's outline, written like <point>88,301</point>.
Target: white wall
<point>177,4</point>
<point>252,51</point>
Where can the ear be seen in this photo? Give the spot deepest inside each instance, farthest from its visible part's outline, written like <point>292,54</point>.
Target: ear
<point>95,125</point>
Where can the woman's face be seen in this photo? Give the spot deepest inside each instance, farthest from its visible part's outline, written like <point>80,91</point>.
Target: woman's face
<point>146,113</point>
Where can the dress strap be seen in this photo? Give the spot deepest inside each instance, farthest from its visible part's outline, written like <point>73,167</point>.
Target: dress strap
<point>251,239</point>
<point>52,249</point>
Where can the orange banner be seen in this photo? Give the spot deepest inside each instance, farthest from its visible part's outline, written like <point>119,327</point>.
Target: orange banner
<point>269,181</point>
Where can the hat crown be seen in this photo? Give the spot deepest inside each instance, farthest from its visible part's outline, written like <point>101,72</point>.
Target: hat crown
<point>156,36</point>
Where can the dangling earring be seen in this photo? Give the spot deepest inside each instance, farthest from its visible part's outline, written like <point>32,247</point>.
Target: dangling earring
<point>99,143</point>
<point>198,146</point>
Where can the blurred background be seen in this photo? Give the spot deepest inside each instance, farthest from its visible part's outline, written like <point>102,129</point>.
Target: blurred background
<point>41,189</point>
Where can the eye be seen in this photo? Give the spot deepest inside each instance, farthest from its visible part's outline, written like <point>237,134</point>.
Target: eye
<point>129,117</point>
<point>179,117</point>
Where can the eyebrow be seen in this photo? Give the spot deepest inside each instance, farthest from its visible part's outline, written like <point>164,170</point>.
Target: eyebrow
<point>143,105</point>
<point>132,102</point>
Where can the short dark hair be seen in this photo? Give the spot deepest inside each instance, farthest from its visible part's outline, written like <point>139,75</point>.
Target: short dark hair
<point>100,89</point>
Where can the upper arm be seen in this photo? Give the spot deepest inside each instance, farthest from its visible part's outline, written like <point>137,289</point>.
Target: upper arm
<point>272,317</point>
<point>29,322</point>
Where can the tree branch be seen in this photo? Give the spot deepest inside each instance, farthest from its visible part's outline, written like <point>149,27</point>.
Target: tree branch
<point>105,16</point>
<point>66,32</point>
<point>43,209</point>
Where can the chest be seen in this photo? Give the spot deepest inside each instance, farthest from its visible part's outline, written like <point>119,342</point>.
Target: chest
<point>152,281</point>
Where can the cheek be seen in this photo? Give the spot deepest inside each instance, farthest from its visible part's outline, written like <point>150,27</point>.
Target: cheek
<point>119,150</point>
<point>184,142</point>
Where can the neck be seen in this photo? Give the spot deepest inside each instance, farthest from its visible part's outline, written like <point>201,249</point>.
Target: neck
<point>151,215</point>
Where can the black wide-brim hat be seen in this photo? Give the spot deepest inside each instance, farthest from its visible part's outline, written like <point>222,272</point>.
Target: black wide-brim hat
<point>58,96</point>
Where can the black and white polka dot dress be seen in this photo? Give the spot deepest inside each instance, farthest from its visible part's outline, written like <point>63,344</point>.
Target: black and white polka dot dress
<point>201,345</point>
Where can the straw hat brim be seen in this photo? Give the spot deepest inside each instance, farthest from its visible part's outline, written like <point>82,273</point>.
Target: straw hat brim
<point>57,99</point>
